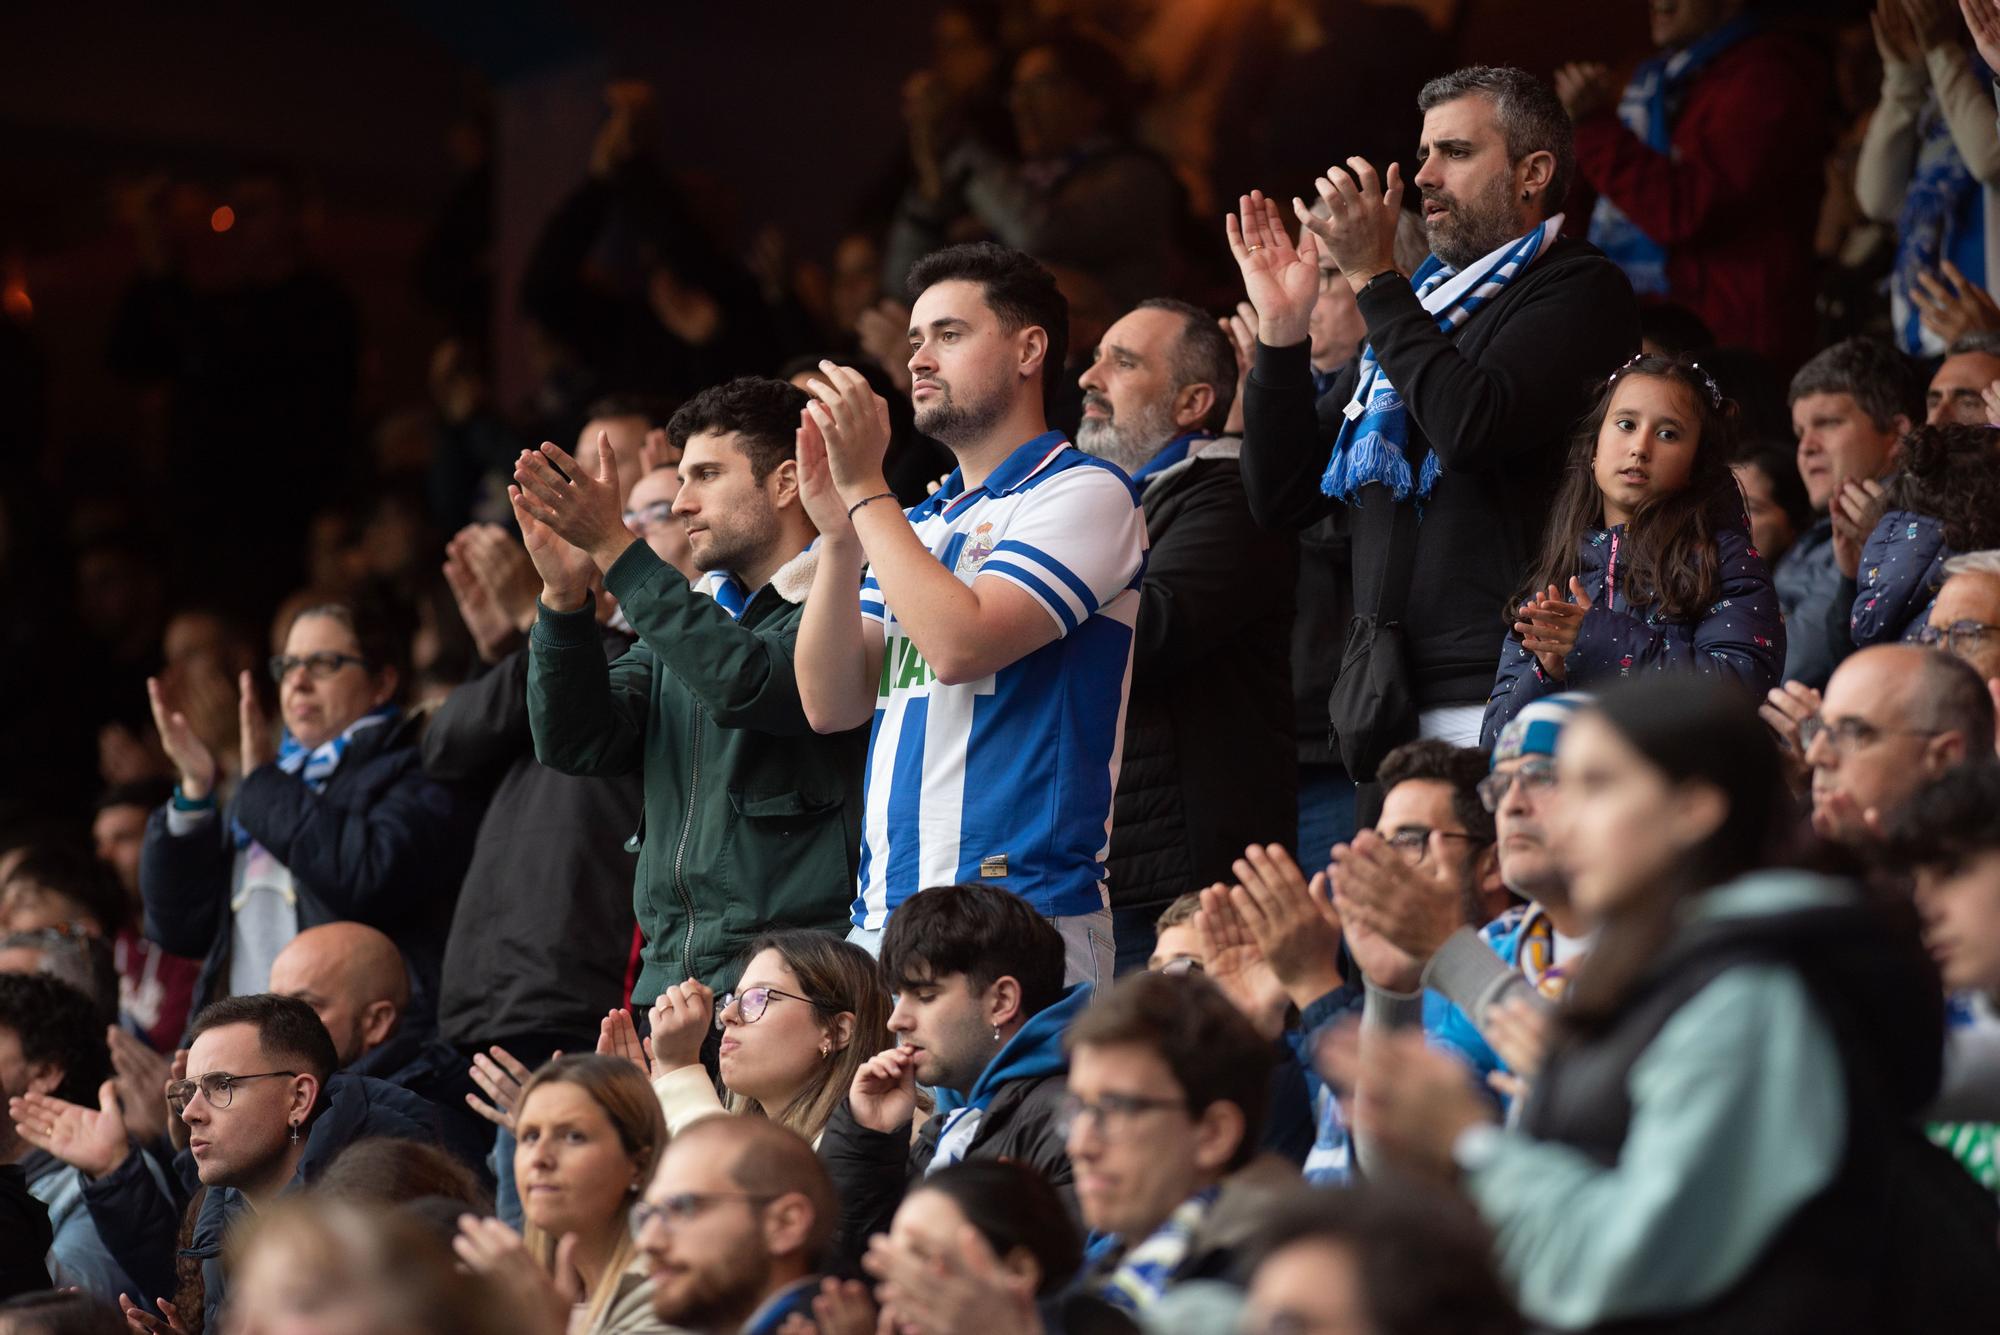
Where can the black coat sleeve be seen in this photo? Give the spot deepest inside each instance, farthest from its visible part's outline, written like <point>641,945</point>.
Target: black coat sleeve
<point>1285,446</point>
<point>870,1170</point>
<point>183,884</point>
<point>482,727</point>
<point>137,1211</point>
<point>1195,597</point>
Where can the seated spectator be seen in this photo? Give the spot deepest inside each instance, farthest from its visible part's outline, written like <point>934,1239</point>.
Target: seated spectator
<point>333,819</point>
<point>807,1013</point>
<point>980,1014</point>
<point>1392,1259</point>
<point>1718,1023</point>
<point>1081,178</point>
<point>1177,944</point>
<point>1965,617</point>
<point>311,1263</point>
<point>1894,718</point>
<point>250,1140</point>
<point>750,821</point>
<point>1774,500</point>
<point>1166,1105</point>
<point>735,1226</point>
<point>51,1043</point>
<point>1648,494</point>
<point>384,1170</point>
<point>1851,406</point>
<point>1946,500</point>
<point>155,989</point>
<point>76,958</point>
<point>1930,162</point>
<point>1210,672</point>
<point>74,902</point>
<point>355,980</point>
<point>1010,1274</point>
<point>1697,164</point>
<point>1957,389</point>
<point>588,1135</point>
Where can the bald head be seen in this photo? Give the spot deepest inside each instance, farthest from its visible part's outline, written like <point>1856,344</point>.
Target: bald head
<point>353,976</point>
<point>766,1158</point>
<point>1896,716</point>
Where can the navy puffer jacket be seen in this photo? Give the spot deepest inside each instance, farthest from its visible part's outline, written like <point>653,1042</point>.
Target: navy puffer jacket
<point>1741,638</point>
<point>1902,569</point>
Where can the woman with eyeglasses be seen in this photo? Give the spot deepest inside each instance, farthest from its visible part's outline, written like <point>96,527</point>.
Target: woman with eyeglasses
<point>333,818</point>
<point>1719,1138</point>
<point>807,1012</point>
<point>587,1136</point>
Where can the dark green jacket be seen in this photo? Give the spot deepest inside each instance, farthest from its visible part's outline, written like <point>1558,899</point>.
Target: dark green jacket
<point>751,820</point>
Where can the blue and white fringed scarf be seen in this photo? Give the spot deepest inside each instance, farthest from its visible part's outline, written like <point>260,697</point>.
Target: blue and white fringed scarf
<point>1649,107</point>
<point>1943,218</point>
<point>1376,431</point>
<point>317,765</point>
<point>1142,1274</point>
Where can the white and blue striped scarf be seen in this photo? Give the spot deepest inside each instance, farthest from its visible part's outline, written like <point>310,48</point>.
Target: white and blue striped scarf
<point>1142,1275</point>
<point>317,765</point>
<point>1377,430</point>
<point>1648,108</point>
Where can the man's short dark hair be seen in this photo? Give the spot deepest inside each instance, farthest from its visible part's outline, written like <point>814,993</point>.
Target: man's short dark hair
<point>1184,1019</point>
<point>79,876</point>
<point>146,794</point>
<point>1882,382</point>
<point>650,408</point>
<point>1951,696</point>
<point>983,933</point>
<point>762,412</point>
<point>57,1024</point>
<point>1950,821</point>
<point>1017,288</point>
<point>1461,767</point>
<point>1985,341</point>
<point>288,1029</point>
<point>1424,1259</point>
<point>1532,119</point>
<point>1203,355</point>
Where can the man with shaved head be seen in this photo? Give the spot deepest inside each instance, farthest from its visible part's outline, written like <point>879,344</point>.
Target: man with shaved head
<point>1895,717</point>
<point>735,1225</point>
<point>356,981</point>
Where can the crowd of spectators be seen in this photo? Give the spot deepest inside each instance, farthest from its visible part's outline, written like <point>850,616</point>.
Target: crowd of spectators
<point>1139,754</point>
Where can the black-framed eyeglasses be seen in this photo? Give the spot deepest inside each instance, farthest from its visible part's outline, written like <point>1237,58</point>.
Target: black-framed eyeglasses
<point>1959,638</point>
<point>1109,1112</point>
<point>684,1207</point>
<point>647,517</point>
<point>1536,777</point>
<point>752,1002</point>
<point>218,1087</point>
<point>318,666</point>
<point>1414,841</point>
<point>1849,735</point>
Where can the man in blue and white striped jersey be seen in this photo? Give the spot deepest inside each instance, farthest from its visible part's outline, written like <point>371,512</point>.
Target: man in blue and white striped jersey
<point>988,631</point>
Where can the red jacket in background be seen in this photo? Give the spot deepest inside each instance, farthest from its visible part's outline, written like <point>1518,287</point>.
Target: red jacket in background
<point>1735,204</point>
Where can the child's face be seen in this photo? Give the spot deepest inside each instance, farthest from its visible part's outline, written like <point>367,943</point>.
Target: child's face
<point>1647,444</point>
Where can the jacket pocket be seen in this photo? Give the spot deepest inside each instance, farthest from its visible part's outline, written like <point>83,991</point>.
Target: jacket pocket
<point>784,860</point>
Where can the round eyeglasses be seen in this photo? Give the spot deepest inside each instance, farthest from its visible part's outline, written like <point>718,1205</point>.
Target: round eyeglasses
<point>752,1002</point>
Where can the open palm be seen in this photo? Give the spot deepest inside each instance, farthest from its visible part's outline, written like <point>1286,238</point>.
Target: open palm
<point>1281,280</point>
<point>91,1139</point>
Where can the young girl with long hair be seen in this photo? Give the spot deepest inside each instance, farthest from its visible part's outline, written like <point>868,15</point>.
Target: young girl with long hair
<point>1647,564</point>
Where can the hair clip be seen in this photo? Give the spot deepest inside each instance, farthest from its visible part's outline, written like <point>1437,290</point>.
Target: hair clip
<point>1714,390</point>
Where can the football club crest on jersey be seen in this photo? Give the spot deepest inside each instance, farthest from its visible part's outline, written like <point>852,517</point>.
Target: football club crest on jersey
<point>978,546</point>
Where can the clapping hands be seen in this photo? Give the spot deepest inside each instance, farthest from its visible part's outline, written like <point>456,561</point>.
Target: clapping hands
<point>1549,625</point>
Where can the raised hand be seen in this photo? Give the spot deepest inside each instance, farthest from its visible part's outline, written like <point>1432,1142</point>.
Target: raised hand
<point>1983,18</point>
<point>1233,962</point>
<point>1784,709</point>
<point>1368,874</point>
<point>1359,231</point>
<point>854,421</point>
<point>502,566</point>
<point>884,332</point>
<point>1585,88</point>
<point>566,571</point>
<point>1549,626</point>
<point>656,450</point>
<point>957,1289</point>
<point>585,509</point>
<point>1895,36</point>
<point>842,1307</point>
<point>1856,509</point>
<point>259,741</point>
<point>1241,329</point>
<point>1932,21</point>
<point>178,1132</point>
<point>189,754</point>
<point>141,1077</point>
<point>502,1077</point>
<point>1281,280</point>
<point>139,1321</point>
<point>1293,922</point>
<point>542,1298</point>
<point>91,1140</point>
<point>1951,305</point>
<point>682,1017</point>
<point>883,1096</point>
<point>817,493</point>
<point>490,626</point>
<point>1519,1031</point>
<point>617,1036</point>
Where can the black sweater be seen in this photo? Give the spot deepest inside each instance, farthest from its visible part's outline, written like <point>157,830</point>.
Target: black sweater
<point>1496,399</point>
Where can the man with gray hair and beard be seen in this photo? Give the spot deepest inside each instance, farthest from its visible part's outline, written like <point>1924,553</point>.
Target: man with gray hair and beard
<point>1211,665</point>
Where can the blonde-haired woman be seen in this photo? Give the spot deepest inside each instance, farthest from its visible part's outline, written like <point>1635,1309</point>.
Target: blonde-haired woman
<point>588,1133</point>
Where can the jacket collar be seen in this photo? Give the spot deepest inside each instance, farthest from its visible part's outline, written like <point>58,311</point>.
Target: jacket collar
<point>1013,472</point>
<point>793,580</point>
<point>1035,1050</point>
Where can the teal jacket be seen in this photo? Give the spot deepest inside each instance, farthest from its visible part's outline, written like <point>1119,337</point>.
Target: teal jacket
<point>751,820</point>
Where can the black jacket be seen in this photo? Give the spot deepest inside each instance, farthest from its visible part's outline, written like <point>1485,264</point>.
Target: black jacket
<point>25,1235</point>
<point>542,935</point>
<point>1209,762</point>
<point>137,1208</point>
<point>383,844</point>
<point>1496,399</point>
